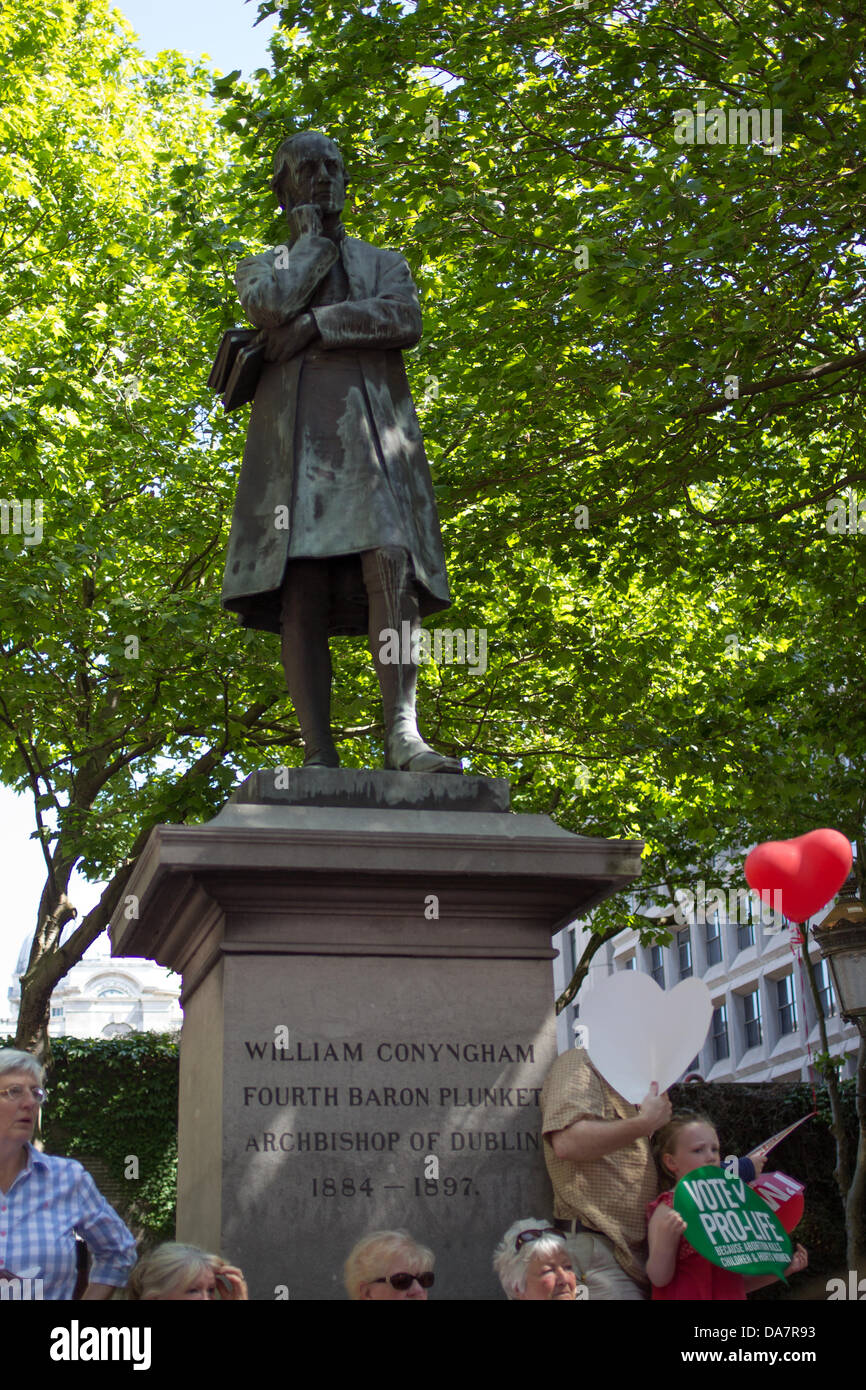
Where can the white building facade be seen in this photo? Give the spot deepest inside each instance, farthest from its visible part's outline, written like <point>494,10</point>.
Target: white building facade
<point>104,998</point>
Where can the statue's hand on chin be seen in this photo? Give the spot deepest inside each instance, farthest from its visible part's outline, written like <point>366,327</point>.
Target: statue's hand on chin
<point>306,219</point>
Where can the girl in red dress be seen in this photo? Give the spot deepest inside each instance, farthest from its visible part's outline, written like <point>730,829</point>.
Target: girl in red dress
<point>675,1270</point>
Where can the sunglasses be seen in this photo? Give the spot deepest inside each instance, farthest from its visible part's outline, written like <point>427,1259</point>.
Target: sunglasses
<point>526,1236</point>
<point>402,1282</point>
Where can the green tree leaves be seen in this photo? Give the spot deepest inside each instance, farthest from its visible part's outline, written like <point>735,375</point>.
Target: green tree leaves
<point>697,387</point>
<point>121,675</point>
<point>668,335</point>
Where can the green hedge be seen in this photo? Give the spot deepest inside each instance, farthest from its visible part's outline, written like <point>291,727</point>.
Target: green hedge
<point>745,1114</point>
<point>111,1100</point>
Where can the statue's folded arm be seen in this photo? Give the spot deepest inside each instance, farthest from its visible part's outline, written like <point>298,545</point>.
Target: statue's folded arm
<point>277,285</point>
<point>389,319</point>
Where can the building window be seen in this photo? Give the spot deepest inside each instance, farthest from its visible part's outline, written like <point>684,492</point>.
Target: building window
<point>719,1030</point>
<point>825,989</point>
<point>57,1013</point>
<point>752,1016</point>
<point>112,987</point>
<point>786,1005</point>
<point>629,964</point>
<point>657,965</point>
<point>714,941</point>
<point>745,935</point>
<point>684,953</point>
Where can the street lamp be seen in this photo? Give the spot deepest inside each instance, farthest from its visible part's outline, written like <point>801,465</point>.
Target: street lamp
<point>841,939</point>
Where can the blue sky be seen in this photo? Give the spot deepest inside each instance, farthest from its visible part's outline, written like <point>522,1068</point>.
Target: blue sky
<point>223,29</point>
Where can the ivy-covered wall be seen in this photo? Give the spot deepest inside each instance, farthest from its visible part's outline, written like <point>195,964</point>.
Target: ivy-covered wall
<point>744,1115</point>
<point>112,1104</point>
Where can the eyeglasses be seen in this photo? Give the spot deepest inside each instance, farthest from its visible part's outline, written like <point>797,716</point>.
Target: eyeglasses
<point>402,1282</point>
<point>526,1236</point>
<point>15,1093</point>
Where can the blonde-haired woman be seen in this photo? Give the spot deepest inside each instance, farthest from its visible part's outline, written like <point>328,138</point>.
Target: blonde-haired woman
<point>173,1273</point>
<point>389,1265</point>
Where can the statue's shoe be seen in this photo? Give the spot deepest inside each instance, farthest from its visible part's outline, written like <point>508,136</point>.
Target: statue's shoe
<point>322,758</point>
<point>414,755</point>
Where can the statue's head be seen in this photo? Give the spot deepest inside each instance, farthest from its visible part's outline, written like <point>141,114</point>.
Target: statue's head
<point>308,168</point>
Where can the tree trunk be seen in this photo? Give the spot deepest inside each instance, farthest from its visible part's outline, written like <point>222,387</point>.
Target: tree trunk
<point>842,1171</point>
<point>55,911</point>
<point>53,963</point>
<point>33,1016</point>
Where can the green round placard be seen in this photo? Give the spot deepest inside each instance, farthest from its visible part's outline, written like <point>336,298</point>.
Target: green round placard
<point>730,1225</point>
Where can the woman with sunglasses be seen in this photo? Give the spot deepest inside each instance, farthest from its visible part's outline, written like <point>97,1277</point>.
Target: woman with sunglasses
<point>533,1262</point>
<point>389,1265</point>
<point>45,1200</point>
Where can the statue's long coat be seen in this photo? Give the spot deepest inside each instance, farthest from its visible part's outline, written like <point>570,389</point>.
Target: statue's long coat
<point>381,316</point>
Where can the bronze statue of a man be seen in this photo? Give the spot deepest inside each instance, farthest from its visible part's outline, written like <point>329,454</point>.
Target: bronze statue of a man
<point>335,529</point>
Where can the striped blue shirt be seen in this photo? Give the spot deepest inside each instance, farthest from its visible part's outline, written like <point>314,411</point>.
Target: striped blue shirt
<point>49,1200</point>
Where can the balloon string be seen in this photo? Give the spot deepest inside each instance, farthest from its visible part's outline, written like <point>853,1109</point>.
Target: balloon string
<point>795,942</point>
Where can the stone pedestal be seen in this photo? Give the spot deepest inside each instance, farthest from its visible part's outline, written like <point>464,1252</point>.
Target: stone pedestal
<point>368,1015</point>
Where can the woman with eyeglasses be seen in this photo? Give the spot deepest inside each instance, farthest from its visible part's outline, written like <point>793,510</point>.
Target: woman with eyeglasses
<point>533,1262</point>
<point>389,1265</point>
<point>45,1200</point>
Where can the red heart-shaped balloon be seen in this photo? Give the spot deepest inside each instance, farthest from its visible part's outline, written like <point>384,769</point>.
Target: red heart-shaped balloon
<point>807,871</point>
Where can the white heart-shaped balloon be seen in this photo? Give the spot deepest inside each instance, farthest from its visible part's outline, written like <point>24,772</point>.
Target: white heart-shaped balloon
<point>636,1033</point>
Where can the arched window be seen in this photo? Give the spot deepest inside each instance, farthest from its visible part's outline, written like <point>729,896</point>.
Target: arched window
<point>113,987</point>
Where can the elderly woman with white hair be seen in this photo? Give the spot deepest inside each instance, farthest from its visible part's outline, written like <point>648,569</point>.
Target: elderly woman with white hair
<point>175,1273</point>
<point>45,1200</point>
<point>389,1265</point>
<point>533,1262</point>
